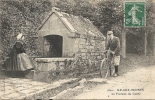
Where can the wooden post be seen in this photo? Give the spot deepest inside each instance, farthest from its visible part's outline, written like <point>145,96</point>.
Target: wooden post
<point>1,47</point>
<point>123,43</point>
<point>154,44</point>
<point>145,44</point>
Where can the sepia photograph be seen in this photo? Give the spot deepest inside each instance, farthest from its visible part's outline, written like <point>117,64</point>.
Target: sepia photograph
<point>77,49</point>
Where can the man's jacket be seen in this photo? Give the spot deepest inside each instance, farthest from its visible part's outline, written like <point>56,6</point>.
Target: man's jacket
<point>114,45</point>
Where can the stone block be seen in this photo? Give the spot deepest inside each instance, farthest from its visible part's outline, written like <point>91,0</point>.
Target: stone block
<point>102,52</point>
<point>84,57</point>
<point>71,54</point>
<point>87,43</point>
<point>81,46</point>
<point>92,53</point>
<point>61,63</point>
<point>99,57</point>
<point>97,54</point>
<point>30,75</point>
<point>82,40</point>
<point>82,43</point>
<point>61,67</point>
<point>91,47</point>
<point>83,50</point>
<point>85,70</point>
<point>83,54</point>
<point>93,41</point>
<point>46,66</point>
<point>41,76</point>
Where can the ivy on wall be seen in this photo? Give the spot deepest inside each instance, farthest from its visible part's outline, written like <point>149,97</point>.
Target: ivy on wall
<point>24,17</point>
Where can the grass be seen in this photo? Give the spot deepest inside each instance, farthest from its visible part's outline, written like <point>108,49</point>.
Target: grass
<point>135,61</point>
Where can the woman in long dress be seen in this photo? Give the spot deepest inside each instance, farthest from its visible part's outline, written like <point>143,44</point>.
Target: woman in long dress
<point>18,63</point>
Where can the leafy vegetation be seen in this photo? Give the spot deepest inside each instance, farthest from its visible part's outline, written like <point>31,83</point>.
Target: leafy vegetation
<point>22,17</point>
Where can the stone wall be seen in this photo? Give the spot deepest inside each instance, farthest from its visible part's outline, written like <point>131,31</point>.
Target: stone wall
<point>90,53</point>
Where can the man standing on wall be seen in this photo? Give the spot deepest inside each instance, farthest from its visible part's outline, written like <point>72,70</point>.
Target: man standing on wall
<point>113,44</point>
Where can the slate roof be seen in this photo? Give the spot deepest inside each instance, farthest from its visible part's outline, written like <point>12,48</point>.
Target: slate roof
<point>76,24</point>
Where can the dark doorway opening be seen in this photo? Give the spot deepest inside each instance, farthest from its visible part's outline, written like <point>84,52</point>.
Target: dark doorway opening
<point>53,46</point>
<point>134,44</point>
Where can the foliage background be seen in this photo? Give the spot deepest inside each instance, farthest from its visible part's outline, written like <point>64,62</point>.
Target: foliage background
<point>24,16</point>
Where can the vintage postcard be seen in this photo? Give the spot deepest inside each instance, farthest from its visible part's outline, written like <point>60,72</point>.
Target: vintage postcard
<point>77,49</point>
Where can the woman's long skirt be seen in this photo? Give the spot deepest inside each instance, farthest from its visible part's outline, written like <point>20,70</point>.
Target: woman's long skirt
<point>18,65</point>
<point>23,62</point>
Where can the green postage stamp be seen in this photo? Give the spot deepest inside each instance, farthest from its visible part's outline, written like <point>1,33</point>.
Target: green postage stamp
<point>134,13</point>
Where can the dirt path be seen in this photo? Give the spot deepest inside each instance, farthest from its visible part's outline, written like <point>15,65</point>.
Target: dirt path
<point>136,84</point>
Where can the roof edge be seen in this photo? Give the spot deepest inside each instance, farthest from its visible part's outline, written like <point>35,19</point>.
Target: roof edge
<point>56,11</point>
<point>44,21</point>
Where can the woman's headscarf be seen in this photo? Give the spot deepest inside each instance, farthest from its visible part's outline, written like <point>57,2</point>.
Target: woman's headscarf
<point>20,36</point>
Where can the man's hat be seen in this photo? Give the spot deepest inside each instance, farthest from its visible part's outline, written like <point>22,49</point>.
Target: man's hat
<point>110,32</point>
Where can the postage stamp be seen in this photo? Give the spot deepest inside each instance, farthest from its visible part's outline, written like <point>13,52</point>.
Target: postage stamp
<point>134,14</point>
